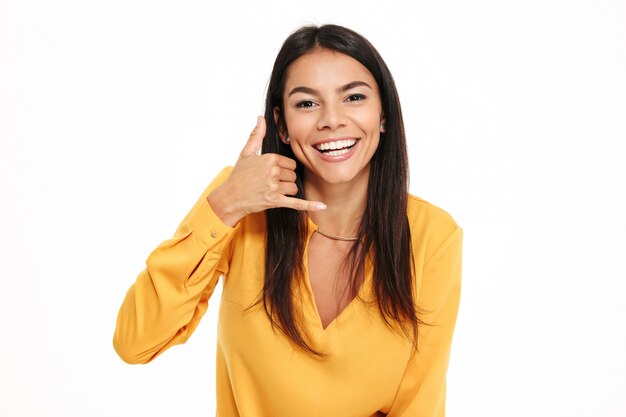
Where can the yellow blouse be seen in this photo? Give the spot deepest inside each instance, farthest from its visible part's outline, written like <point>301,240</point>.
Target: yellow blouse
<point>369,370</point>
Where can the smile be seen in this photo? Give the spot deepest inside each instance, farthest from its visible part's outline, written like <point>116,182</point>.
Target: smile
<point>336,148</point>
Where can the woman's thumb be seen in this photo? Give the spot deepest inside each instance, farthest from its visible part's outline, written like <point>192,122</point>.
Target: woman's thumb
<point>256,138</point>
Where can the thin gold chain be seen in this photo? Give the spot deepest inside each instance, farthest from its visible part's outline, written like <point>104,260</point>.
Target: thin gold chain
<point>328,235</point>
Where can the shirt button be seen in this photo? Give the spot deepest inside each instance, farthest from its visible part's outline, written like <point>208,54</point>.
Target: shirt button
<point>213,234</point>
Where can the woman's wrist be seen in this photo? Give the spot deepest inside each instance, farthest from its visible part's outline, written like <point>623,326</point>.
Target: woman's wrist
<point>222,207</point>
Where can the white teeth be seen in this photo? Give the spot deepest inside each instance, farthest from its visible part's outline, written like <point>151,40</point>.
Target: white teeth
<point>337,153</point>
<point>336,145</point>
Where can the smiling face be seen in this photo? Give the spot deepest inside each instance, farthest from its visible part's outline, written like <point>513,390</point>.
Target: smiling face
<point>333,116</point>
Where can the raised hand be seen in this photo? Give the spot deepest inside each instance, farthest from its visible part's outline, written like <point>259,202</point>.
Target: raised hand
<point>257,183</point>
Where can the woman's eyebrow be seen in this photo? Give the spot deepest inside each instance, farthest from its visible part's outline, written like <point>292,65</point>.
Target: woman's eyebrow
<point>343,88</point>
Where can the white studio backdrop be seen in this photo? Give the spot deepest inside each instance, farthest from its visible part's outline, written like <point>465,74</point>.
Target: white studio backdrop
<point>114,116</point>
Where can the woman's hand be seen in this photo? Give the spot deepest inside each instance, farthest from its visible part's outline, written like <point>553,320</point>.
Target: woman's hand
<point>257,183</point>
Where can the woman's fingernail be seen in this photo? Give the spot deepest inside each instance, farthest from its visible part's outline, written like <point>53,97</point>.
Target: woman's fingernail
<point>320,206</point>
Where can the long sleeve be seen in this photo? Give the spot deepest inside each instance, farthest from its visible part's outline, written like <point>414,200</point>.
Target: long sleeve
<point>169,297</point>
<point>422,392</point>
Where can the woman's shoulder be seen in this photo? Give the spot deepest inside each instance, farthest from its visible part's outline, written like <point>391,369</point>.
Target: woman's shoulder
<point>430,224</point>
<point>423,213</point>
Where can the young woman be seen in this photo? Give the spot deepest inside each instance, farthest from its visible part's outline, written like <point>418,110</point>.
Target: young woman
<point>340,289</point>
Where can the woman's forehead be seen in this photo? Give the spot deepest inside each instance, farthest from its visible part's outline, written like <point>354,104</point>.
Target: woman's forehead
<point>323,69</point>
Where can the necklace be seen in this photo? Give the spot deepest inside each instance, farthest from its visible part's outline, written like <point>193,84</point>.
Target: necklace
<point>328,235</point>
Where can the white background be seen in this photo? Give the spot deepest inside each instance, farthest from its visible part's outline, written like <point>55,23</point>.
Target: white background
<point>114,116</point>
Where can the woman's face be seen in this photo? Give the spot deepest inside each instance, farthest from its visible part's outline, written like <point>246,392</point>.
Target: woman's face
<point>333,116</point>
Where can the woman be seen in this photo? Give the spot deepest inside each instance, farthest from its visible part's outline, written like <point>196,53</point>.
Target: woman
<point>340,290</point>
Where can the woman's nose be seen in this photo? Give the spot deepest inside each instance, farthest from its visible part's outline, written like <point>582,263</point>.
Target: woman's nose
<point>331,117</point>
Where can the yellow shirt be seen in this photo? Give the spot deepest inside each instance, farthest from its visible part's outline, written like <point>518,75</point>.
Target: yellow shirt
<point>260,372</point>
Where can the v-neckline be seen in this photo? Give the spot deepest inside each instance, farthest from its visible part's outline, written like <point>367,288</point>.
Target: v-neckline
<point>307,280</point>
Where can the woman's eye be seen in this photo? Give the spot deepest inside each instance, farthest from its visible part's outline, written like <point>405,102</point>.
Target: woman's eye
<point>305,104</point>
<point>356,97</point>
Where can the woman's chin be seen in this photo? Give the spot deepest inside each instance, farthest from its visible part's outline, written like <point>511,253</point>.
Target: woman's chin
<point>338,175</point>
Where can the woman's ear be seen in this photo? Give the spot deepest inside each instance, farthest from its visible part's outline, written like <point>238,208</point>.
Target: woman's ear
<point>382,125</point>
<point>281,128</point>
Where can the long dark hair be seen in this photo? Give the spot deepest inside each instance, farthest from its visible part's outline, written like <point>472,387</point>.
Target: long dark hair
<point>384,228</point>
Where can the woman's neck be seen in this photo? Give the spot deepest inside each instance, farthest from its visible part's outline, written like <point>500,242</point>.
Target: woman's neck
<point>346,204</point>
